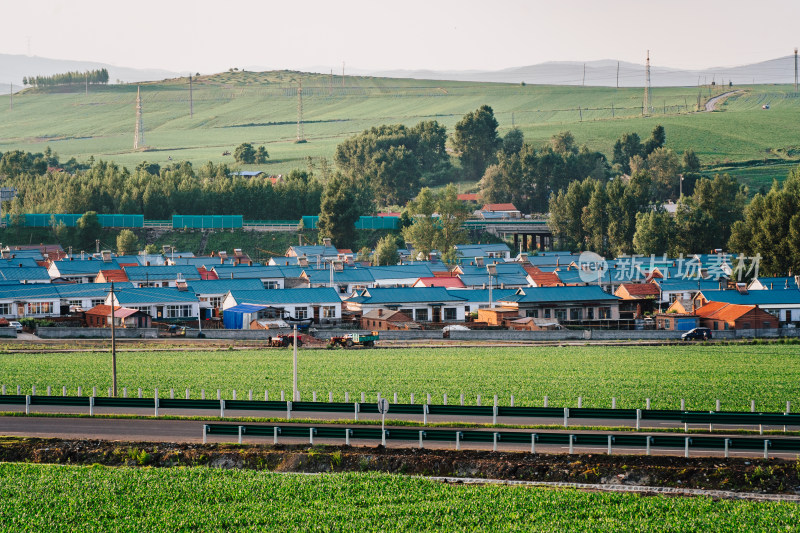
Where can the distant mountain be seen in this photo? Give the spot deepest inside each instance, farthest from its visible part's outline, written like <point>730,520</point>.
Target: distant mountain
<point>604,73</point>
<point>14,67</point>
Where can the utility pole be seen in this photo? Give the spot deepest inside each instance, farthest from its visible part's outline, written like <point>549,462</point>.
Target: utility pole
<point>294,368</point>
<point>113,345</point>
<point>583,81</point>
<point>795,71</point>
<point>617,74</point>
<point>191,102</point>
<point>342,74</point>
<point>10,96</point>
<point>87,83</point>
<point>300,135</point>
<point>330,84</point>
<point>138,134</point>
<point>646,103</point>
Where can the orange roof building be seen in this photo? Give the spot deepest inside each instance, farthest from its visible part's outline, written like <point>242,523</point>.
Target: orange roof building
<point>721,316</point>
<point>638,291</point>
<point>538,278</point>
<point>107,276</point>
<point>448,282</point>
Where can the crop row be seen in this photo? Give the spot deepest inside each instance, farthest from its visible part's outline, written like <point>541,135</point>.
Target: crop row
<point>735,375</point>
<point>133,499</point>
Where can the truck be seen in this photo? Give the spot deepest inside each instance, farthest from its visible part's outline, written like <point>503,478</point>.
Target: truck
<point>355,339</point>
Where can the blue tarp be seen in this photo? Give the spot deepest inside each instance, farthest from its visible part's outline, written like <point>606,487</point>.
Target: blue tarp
<point>233,317</point>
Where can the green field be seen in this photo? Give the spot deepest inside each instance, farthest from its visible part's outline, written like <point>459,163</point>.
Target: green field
<point>261,108</point>
<point>99,498</point>
<point>768,374</point>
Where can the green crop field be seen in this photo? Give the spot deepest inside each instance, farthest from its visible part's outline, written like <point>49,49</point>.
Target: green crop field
<point>96,498</point>
<point>736,374</point>
<point>261,108</point>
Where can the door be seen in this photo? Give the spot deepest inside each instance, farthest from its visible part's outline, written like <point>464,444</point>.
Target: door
<point>437,314</point>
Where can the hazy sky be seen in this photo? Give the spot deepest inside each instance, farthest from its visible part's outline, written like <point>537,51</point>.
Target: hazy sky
<point>205,36</point>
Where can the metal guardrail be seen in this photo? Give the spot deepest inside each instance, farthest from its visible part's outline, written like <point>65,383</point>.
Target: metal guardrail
<point>787,445</point>
<point>563,414</point>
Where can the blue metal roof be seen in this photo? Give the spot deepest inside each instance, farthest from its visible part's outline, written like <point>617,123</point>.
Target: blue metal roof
<point>561,294</point>
<point>255,272</point>
<point>682,284</point>
<point>413,270</point>
<point>473,280</point>
<point>481,250</point>
<point>223,286</point>
<point>19,261</point>
<point>315,250</point>
<point>348,275</point>
<point>33,291</point>
<point>24,273</point>
<point>400,295</point>
<point>87,267</point>
<point>154,295</point>
<point>245,308</point>
<point>319,295</point>
<point>782,282</point>
<point>145,273</point>
<point>89,290</point>
<point>763,298</point>
<point>482,295</point>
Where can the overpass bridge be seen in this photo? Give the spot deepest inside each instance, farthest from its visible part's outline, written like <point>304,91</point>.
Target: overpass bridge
<point>530,234</point>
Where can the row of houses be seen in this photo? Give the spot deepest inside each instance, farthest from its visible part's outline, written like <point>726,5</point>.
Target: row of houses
<point>326,285</point>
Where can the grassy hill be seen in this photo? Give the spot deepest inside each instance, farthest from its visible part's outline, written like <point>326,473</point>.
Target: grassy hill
<point>261,108</point>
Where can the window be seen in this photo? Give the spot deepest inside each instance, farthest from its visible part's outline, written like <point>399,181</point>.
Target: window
<point>408,312</point>
<point>422,315</point>
<point>532,313</point>
<point>604,312</point>
<point>766,323</point>
<point>450,313</point>
<point>75,303</point>
<point>271,285</point>
<point>329,311</point>
<point>301,312</point>
<point>590,313</point>
<point>547,313</point>
<point>39,308</point>
<point>575,313</point>
<point>215,301</point>
<point>95,302</point>
<point>179,311</point>
<point>561,314</point>
<point>5,309</point>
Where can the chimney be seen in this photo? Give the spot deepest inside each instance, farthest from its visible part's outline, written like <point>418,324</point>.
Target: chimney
<point>250,263</point>
<point>181,285</point>
<point>380,312</point>
<point>106,254</point>
<point>326,241</point>
<point>221,260</point>
<point>147,263</point>
<point>772,285</point>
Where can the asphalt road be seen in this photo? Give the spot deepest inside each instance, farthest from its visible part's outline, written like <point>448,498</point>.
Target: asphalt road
<point>191,431</point>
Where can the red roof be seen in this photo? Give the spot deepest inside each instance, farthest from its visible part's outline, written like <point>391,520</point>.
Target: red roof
<point>105,310</point>
<point>641,290</point>
<point>344,250</point>
<point>469,197</point>
<point>440,281</point>
<point>114,275</point>
<point>387,214</point>
<point>499,207</point>
<point>207,274</point>
<point>723,311</point>
<point>543,279</point>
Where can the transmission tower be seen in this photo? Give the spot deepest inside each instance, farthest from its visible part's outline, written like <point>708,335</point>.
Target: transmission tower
<point>300,137</point>
<point>646,103</point>
<point>138,134</point>
<point>795,71</point>
<point>191,102</point>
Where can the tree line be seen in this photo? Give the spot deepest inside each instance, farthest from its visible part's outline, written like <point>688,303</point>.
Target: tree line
<point>98,76</point>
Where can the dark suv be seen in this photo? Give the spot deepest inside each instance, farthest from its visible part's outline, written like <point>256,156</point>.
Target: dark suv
<point>697,334</point>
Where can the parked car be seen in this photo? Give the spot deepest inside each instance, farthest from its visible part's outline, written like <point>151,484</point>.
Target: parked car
<point>16,325</point>
<point>697,334</point>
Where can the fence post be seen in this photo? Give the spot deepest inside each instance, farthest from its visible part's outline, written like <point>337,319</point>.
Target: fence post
<point>4,390</point>
<point>638,418</point>
<point>545,401</point>
<point>444,399</point>
<point>48,390</point>
<point>241,430</point>
<point>347,437</point>
<point>219,394</point>
<point>205,432</point>
<point>155,402</point>
<point>494,441</point>
<point>283,396</point>
<point>266,395</point>
<point>18,390</point>
<point>288,410</point>
<point>330,397</point>
<point>494,415</point>
<point>250,395</point>
<point>412,398</point>
<point>766,452</point>
<point>314,396</point>
<point>347,397</point>
<point>613,402</point>
<point>647,448</point>
<point>33,390</point>
<point>94,390</point>
<point>566,416</point>
<point>458,440</point>
<point>363,397</point>
<point>610,440</point>
<point>222,408</point>
<point>571,444</point>
<point>647,403</point>
<point>429,398</point>
<point>188,396</point>
<point>357,408</point>
<point>124,392</point>
<point>171,393</point>
<point>788,407</point>
<point>91,406</point>
<point>752,406</point>
<point>275,431</point>
<point>383,437</point>
<point>683,404</point>
<point>140,392</point>
<point>421,436</point>
<point>234,394</point>
<point>727,443</point>
<point>686,450</point>
<point>425,414</point>
<point>311,436</point>
<point>495,400</point>
<point>580,402</point>
<point>512,400</point>
<point>462,396</point>
<point>533,442</point>
<point>28,404</point>
<point>717,405</point>
<point>479,400</point>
